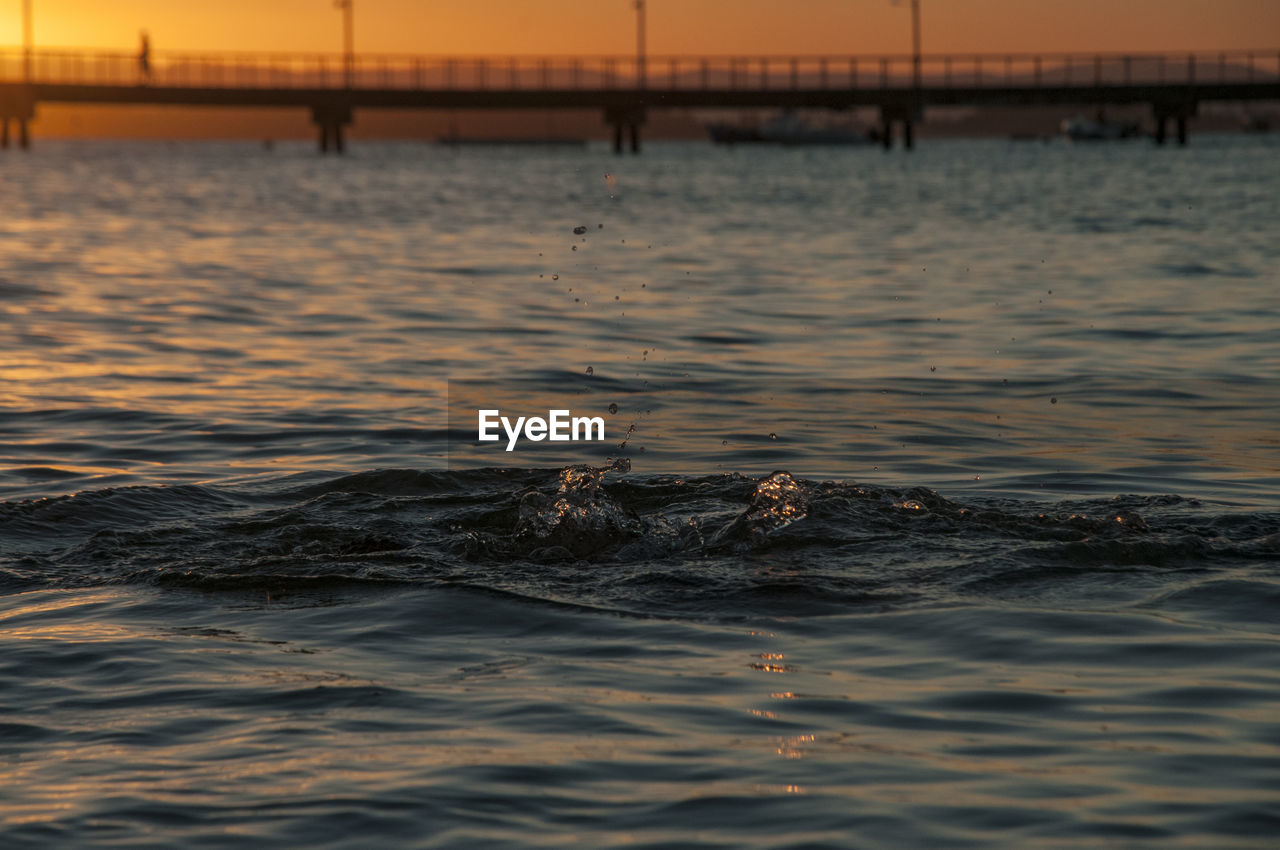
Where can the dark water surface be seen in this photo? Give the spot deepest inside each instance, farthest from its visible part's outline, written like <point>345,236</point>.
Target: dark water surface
<point>1018,587</point>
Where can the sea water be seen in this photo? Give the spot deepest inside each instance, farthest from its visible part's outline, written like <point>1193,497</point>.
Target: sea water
<point>939,505</point>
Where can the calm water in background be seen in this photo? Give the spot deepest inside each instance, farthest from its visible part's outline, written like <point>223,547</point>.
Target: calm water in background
<point>1020,587</point>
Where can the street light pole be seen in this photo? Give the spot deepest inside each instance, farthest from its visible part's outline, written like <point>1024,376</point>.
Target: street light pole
<point>915,43</point>
<point>348,40</point>
<point>640,52</point>
<point>26,40</point>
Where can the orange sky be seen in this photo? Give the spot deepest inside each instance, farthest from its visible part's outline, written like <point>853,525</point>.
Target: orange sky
<point>675,26</point>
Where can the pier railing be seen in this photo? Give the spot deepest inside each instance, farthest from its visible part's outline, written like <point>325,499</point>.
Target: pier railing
<point>674,73</point>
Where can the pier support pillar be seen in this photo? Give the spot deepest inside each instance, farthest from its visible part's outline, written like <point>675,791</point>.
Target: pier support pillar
<point>1178,111</point>
<point>330,119</point>
<point>906,114</point>
<point>626,121</point>
<point>17,105</point>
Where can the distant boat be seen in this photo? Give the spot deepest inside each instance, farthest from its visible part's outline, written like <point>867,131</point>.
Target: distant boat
<point>788,129</point>
<point>1081,129</point>
<point>734,134</point>
<point>530,141</point>
<point>1257,124</point>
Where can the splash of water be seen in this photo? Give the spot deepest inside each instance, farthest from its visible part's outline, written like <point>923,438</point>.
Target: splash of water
<point>579,519</point>
<point>778,501</point>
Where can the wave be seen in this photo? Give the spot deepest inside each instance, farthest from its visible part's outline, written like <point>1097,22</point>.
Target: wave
<point>601,536</point>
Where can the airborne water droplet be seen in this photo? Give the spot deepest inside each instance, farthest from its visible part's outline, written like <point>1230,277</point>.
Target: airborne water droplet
<point>613,408</point>
<point>590,370</point>
<point>579,230</point>
<point>773,436</point>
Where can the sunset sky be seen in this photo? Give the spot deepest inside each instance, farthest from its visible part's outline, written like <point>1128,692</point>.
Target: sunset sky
<point>675,26</point>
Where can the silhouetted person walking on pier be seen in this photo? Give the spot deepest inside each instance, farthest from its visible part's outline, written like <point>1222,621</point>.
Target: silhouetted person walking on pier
<point>144,58</point>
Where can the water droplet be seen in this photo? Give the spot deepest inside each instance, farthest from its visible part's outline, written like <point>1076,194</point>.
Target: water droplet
<point>613,408</point>
<point>590,370</point>
<point>724,442</point>
<point>600,226</point>
<point>773,436</point>
<point>555,277</point>
<point>933,368</point>
<point>573,247</point>
<point>1053,400</point>
<point>579,230</point>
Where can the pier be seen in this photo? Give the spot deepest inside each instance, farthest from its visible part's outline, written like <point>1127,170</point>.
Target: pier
<point>334,87</point>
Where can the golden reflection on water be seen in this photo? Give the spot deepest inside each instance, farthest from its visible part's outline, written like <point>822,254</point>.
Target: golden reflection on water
<point>247,761</point>
<point>27,616</point>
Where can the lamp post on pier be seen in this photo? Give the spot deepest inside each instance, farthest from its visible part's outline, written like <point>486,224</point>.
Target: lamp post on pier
<point>348,41</point>
<point>627,118</point>
<point>915,44</point>
<point>641,81</point>
<point>27,40</point>
<point>331,114</point>
<point>911,109</point>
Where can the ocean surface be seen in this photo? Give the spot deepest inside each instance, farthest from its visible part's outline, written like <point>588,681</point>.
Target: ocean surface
<point>939,503</point>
